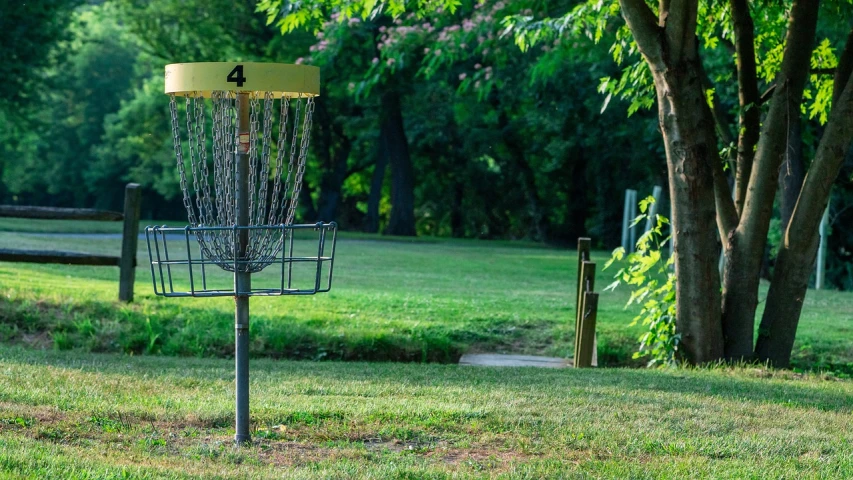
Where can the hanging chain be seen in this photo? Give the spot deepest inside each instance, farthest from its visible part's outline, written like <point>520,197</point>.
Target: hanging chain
<point>176,138</point>
<point>216,206</point>
<point>303,155</point>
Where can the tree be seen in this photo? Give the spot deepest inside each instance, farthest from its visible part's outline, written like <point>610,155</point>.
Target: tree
<point>675,41</point>
<point>671,42</point>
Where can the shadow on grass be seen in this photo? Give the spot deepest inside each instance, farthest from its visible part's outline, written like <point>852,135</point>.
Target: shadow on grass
<point>752,386</point>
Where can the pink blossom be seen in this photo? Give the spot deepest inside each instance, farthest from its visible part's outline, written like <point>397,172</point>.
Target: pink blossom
<point>485,51</point>
<point>390,61</point>
<point>375,60</point>
<point>351,85</point>
<point>299,60</point>
<point>382,29</point>
<point>463,46</point>
<point>477,66</point>
<point>477,84</point>
<point>438,52</point>
<point>320,34</point>
<point>488,75</point>
<point>462,76</point>
<point>353,20</point>
<point>426,50</point>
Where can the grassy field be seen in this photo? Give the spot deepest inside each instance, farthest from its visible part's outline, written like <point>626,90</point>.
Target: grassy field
<point>393,299</point>
<point>80,415</point>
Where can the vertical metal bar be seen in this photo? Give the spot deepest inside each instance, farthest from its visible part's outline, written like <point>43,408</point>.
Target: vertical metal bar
<point>651,218</point>
<point>150,258</point>
<point>189,259</point>
<point>242,279</point>
<point>320,247</point>
<point>821,250</point>
<point>168,265</point>
<point>632,231</point>
<point>626,223</point>
<point>290,264</point>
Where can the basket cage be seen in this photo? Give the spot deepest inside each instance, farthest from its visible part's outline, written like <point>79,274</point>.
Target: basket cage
<point>300,262</point>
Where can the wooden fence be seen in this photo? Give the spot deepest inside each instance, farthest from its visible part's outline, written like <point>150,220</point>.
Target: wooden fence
<point>130,236</point>
<point>587,308</point>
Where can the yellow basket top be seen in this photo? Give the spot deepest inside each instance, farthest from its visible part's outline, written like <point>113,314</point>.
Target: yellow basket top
<point>283,80</point>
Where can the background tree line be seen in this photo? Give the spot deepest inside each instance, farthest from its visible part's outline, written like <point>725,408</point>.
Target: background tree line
<point>428,125</point>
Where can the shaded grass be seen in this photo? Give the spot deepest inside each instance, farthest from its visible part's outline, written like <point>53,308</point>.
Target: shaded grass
<point>71,414</point>
<point>393,299</point>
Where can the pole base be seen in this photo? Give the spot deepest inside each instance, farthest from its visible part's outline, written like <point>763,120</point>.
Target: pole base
<point>242,440</point>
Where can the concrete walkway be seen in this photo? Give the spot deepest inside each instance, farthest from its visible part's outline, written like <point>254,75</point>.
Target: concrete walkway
<point>498,360</point>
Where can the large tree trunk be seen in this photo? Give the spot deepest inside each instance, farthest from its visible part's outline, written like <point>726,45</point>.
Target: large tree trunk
<point>402,220</point>
<point>377,180</point>
<point>668,44</point>
<point>745,246</point>
<point>332,181</point>
<point>795,262</point>
<point>792,173</point>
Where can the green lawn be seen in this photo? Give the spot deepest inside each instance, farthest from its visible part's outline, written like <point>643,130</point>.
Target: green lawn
<point>81,415</point>
<point>392,299</point>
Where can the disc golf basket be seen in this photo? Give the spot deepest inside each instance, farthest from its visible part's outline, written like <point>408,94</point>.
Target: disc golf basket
<point>241,160</point>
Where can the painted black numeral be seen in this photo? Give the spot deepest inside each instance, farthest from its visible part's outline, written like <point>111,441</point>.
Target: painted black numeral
<point>236,76</point>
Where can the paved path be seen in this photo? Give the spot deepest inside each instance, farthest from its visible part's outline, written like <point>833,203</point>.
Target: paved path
<point>497,360</point>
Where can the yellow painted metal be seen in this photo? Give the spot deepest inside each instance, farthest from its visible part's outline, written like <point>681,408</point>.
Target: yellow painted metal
<point>283,80</point>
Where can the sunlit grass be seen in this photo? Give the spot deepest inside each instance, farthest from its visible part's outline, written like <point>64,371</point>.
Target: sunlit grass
<point>68,414</point>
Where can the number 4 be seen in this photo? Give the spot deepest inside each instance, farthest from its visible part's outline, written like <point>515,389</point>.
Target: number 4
<point>236,76</point>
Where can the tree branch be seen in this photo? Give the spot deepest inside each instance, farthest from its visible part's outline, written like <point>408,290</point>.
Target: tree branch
<point>786,101</point>
<point>749,117</point>
<point>643,24</point>
<point>831,150</point>
<point>727,215</point>
<point>678,20</point>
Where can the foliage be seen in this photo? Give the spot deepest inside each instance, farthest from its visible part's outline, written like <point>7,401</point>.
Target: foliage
<point>33,31</point>
<point>653,289</point>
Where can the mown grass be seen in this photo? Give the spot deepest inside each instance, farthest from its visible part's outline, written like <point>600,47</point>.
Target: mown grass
<point>79,415</point>
<point>392,299</point>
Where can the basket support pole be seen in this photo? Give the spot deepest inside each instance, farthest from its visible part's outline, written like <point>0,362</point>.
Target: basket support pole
<point>242,280</point>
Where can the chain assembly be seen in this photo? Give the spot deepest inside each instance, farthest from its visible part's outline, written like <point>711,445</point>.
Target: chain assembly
<point>215,207</point>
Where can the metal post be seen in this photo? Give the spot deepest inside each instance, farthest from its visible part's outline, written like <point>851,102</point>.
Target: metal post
<point>626,222</point>
<point>633,230</point>
<point>651,218</point>
<point>821,250</point>
<point>242,280</point>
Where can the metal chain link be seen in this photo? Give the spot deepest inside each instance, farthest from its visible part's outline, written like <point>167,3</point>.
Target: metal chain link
<point>217,206</point>
<point>303,155</point>
<point>176,138</point>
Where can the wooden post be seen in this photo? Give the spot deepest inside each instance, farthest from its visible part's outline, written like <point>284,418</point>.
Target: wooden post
<point>583,256</point>
<point>587,284</point>
<point>587,331</point>
<point>129,239</point>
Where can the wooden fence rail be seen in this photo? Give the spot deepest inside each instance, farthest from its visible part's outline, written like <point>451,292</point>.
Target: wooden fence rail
<point>130,236</point>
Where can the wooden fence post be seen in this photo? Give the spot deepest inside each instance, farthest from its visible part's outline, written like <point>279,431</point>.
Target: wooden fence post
<point>129,240</point>
<point>583,256</point>
<point>587,331</point>
<point>587,284</point>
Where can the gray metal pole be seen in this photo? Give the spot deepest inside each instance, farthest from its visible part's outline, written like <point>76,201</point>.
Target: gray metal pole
<point>242,280</point>
<point>633,230</point>
<point>626,222</point>
<point>651,219</point>
<point>821,250</point>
